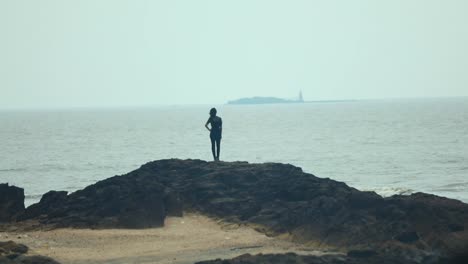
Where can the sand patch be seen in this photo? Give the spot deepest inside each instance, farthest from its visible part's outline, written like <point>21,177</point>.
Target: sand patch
<point>183,240</point>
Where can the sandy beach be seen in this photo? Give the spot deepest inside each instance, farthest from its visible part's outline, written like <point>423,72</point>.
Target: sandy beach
<point>183,240</point>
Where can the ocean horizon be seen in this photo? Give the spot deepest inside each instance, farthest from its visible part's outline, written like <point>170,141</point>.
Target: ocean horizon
<point>390,146</point>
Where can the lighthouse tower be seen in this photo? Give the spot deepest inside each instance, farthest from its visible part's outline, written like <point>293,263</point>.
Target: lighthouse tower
<point>301,99</point>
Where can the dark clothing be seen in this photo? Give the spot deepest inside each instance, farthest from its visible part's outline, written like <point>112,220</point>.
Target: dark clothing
<point>216,127</point>
<point>215,135</point>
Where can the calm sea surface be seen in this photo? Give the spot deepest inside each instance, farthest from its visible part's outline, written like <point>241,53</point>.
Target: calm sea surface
<point>388,146</point>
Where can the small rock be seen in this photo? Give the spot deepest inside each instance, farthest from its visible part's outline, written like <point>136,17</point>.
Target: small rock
<point>361,253</point>
<point>408,237</point>
<point>456,228</point>
<point>13,247</point>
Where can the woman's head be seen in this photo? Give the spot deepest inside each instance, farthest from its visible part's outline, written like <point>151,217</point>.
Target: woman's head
<point>213,112</point>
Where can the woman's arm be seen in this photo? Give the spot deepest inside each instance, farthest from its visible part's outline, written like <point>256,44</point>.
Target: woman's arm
<point>206,125</point>
<point>221,125</point>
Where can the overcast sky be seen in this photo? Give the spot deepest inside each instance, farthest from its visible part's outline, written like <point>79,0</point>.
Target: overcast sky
<point>116,53</point>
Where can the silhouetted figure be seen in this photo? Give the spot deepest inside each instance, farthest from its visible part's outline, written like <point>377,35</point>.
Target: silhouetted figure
<point>215,132</point>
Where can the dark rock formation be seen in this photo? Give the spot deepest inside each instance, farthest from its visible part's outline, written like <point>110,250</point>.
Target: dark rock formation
<point>122,201</point>
<point>49,202</point>
<point>11,247</point>
<point>12,253</point>
<point>273,198</point>
<point>11,202</point>
<point>363,253</point>
<point>292,258</point>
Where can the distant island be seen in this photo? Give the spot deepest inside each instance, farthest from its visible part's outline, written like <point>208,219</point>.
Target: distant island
<point>267,100</point>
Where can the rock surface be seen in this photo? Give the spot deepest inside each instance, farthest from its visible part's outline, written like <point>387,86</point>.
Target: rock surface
<point>11,202</point>
<point>292,258</point>
<point>13,253</point>
<point>118,202</point>
<point>277,199</point>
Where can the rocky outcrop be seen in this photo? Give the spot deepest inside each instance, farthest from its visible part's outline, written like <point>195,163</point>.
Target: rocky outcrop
<point>118,202</point>
<point>11,202</point>
<point>277,199</point>
<point>13,253</point>
<point>292,258</point>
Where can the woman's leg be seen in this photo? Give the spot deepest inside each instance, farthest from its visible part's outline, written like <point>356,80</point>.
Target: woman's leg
<point>218,147</point>
<point>213,148</point>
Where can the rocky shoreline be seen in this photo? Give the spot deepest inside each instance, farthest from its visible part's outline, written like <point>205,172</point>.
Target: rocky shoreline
<point>279,200</point>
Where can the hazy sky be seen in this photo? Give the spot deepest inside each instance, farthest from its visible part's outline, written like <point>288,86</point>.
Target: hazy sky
<point>110,52</point>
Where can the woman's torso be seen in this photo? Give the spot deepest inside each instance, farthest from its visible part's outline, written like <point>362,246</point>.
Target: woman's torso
<point>216,123</point>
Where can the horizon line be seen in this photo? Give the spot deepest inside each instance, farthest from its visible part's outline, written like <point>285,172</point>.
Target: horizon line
<point>104,107</point>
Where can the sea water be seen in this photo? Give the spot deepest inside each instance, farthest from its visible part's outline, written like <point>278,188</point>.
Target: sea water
<point>395,146</point>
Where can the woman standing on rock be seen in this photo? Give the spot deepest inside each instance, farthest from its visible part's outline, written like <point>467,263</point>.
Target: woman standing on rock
<point>215,132</point>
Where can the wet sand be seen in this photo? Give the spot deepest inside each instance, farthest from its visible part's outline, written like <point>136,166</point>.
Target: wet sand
<point>183,240</point>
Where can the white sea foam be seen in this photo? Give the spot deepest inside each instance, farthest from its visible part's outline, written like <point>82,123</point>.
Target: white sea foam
<point>389,191</point>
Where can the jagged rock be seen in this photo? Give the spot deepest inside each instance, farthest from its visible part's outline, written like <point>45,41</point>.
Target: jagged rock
<point>292,258</point>
<point>34,260</point>
<point>408,237</point>
<point>11,202</point>
<point>11,247</point>
<point>361,253</point>
<point>273,198</point>
<point>49,201</point>
<point>21,259</point>
<point>125,202</point>
<point>13,253</point>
